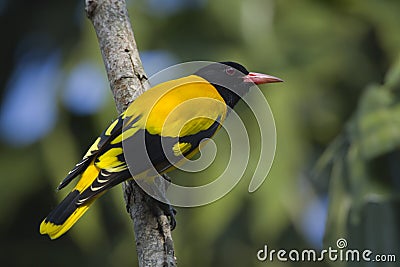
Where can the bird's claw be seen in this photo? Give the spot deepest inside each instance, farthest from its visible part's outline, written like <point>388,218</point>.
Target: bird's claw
<point>160,208</point>
<point>170,212</point>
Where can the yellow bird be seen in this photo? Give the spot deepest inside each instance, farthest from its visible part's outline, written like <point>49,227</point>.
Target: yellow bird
<point>162,126</point>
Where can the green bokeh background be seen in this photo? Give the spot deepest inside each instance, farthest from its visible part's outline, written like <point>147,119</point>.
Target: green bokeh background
<point>336,172</point>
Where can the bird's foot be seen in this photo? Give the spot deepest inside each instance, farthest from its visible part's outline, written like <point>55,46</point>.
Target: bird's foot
<point>160,208</point>
<point>159,204</point>
<point>170,212</point>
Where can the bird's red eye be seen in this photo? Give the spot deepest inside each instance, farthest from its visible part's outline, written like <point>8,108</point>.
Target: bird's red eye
<point>230,71</point>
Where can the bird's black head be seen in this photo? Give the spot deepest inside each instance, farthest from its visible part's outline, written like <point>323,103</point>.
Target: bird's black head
<point>232,80</point>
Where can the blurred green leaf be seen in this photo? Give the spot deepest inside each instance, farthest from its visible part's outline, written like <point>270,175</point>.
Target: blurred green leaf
<point>359,201</point>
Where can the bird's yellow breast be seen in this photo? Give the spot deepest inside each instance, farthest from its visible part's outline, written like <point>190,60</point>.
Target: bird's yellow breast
<point>179,107</point>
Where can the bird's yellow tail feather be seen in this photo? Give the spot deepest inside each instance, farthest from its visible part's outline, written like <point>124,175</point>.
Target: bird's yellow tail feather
<point>64,216</point>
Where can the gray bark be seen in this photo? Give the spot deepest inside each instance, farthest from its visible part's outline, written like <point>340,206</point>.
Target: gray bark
<point>127,79</point>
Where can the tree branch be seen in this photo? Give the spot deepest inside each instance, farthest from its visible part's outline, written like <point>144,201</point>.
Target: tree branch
<point>110,19</point>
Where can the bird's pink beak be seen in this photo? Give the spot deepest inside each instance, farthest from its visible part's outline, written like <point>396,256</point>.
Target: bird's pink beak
<point>260,78</point>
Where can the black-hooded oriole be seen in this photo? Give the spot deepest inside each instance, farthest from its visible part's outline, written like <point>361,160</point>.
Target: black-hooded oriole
<point>171,131</point>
